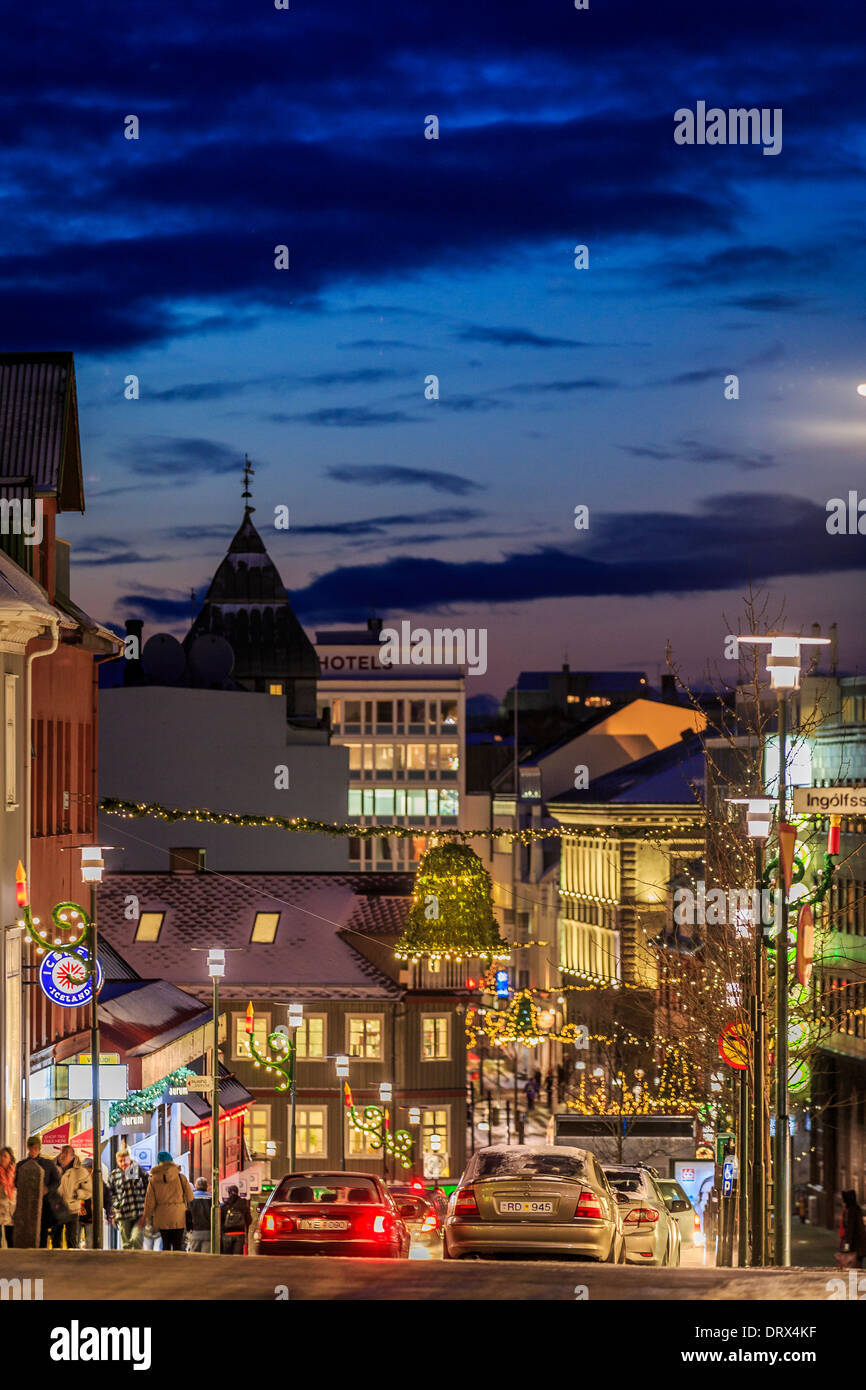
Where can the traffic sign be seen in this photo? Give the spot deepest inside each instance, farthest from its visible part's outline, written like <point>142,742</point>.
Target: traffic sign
<point>730,1170</point>
<point>199,1083</point>
<point>838,801</point>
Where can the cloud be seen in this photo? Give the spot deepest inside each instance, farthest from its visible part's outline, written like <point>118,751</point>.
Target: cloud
<point>180,459</point>
<point>698,451</point>
<point>729,540</point>
<point>514,337</point>
<point>390,475</point>
<point>768,302</point>
<point>585,383</point>
<point>347,417</point>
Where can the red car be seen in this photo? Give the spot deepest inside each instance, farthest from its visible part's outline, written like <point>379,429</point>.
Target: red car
<point>332,1214</point>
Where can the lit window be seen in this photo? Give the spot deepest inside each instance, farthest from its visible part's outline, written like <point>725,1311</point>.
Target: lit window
<point>257,1128</point>
<point>448,803</point>
<point>434,1037</point>
<point>261,1028</point>
<point>384,802</point>
<point>449,713</point>
<point>353,711</point>
<point>598,701</point>
<point>573,699</point>
<point>275,687</point>
<point>416,757</point>
<point>365,1036</point>
<point>311,1131</point>
<point>354,757</point>
<point>354,801</point>
<point>310,1038</point>
<point>265,927</point>
<point>416,803</point>
<point>384,757</point>
<point>149,926</point>
<point>435,1122</point>
<point>449,757</point>
<point>360,1143</point>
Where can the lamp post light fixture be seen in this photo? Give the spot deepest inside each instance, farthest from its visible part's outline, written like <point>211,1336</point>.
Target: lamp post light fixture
<point>414,1115</point>
<point>386,1096</point>
<point>783,665</point>
<point>216,967</point>
<point>342,1066</point>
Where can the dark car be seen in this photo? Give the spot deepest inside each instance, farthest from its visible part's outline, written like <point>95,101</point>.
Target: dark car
<point>427,1222</point>
<point>332,1214</point>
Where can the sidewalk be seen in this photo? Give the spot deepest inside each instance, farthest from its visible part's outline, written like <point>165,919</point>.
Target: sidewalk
<point>813,1247</point>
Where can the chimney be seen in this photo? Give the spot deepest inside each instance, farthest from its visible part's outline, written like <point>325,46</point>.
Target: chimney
<point>186,861</point>
<point>374,625</point>
<point>669,688</point>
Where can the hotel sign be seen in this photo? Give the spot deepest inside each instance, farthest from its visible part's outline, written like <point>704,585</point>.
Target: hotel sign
<point>348,660</point>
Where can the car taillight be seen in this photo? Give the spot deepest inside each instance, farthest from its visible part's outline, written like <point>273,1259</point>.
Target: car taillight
<point>466,1204</point>
<point>275,1224</point>
<point>641,1216</point>
<point>588,1205</point>
<point>697,1222</point>
<point>429,1222</point>
<point>382,1225</point>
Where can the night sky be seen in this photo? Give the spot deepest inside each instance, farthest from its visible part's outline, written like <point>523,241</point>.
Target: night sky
<point>455,257</point>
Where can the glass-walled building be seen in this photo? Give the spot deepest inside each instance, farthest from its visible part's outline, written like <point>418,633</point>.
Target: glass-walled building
<point>404,728</point>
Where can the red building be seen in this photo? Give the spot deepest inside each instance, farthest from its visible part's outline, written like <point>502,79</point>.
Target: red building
<point>40,467</point>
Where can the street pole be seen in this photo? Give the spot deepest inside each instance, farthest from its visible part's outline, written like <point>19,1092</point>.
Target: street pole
<point>96,1114</point>
<point>342,1114</point>
<point>215,1124</point>
<point>743,1172</point>
<point>759,1076</point>
<point>292,1130</point>
<point>782,1151</point>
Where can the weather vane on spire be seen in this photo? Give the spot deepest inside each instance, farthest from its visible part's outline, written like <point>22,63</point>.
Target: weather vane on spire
<point>246,494</point>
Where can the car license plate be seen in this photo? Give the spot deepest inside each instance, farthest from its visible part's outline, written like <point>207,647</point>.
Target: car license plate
<point>510,1208</point>
<point>317,1224</point>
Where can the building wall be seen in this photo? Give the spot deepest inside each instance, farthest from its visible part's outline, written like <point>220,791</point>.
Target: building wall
<point>404,760</point>
<point>13,846</point>
<point>217,749</point>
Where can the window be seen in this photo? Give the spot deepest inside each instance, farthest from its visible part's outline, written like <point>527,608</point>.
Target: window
<point>416,758</point>
<point>448,803</point>
<point>432,801</point>
<point>10,718</point>
<point>360,1143</point>
<point>353,713</point>
<point>434,1037</point>
<point>365,1036</point>
<point>449,714</point>
<point>149,926</point>
<point>311,1131</point>
<point>416,803</point>
<point>354,801</point>
<point>336,713</point>
<point>261,1028</point>
<point>385,712</point>
<point>416,716</point>
<point>354,849</point>
<point>384,802</point>
<point>354,757</point>
<point>310,1038</point>
<point>435,1122</point>
<point>432,756</point>
<point>384,757</point>
<point>275,687</point>
<point>449,757</point>
<point>265,927</point>
<point>257,1128</point>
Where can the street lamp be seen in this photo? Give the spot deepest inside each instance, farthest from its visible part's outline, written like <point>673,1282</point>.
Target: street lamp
<point>342,1076</point>
<point>386,1095</point>
<point>783,665</point>
<point>216,965</point>
<point>296,1018</point>
<point>92,869</point>
<point>759,820</point>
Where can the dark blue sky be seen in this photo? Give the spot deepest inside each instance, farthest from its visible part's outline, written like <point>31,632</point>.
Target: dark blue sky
<point>412,257</point>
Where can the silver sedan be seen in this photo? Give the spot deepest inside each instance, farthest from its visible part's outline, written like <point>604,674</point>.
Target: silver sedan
<point>652,1236</point>
<point>554,1201</point>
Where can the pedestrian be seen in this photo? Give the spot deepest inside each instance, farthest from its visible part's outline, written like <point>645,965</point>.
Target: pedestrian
<point>76,1184</point>
<point>86,1219</point>
<point>536,1077</point>
<point>128,1187</point>
<point>168,1195</point>
<point>7,1195</point>
<point>529,1092</point>
<point>50,1186</point>
<point>198,1219</point>
<point>235,1218</point>
<point>548,1086</point>
<point>852,1232</point>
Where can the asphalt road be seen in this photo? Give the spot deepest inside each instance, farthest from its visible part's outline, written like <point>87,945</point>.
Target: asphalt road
<point>138,1275</point>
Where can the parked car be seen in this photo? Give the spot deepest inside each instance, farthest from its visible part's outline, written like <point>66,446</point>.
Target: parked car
<point>652,1236</point>
<point>678,1204</point>
<point>553,1201</point>
<point>426,1224</point>
<point>331,1214</point>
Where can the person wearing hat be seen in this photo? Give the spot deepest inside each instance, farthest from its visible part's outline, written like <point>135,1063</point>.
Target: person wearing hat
<point>199,1218</point>
<point>168,1196</point>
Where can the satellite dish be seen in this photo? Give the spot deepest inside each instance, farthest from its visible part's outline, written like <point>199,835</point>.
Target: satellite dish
<point>211,660</point>
<point>163,659</point>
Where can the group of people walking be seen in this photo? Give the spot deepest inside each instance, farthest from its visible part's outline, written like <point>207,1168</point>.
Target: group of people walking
<point>145,1210</point>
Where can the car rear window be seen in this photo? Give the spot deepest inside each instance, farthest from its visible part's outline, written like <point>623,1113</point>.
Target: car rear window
<point>526,1164</point>
<point>320,1188</point>
<point>626,1182</point>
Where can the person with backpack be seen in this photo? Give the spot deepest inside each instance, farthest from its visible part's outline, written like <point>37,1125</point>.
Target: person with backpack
<point>198,1219</point>
<point>235,1218</point>
<point>166,1202</point>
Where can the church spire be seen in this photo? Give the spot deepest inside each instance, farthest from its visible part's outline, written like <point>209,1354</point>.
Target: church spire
<point>246,494</point>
